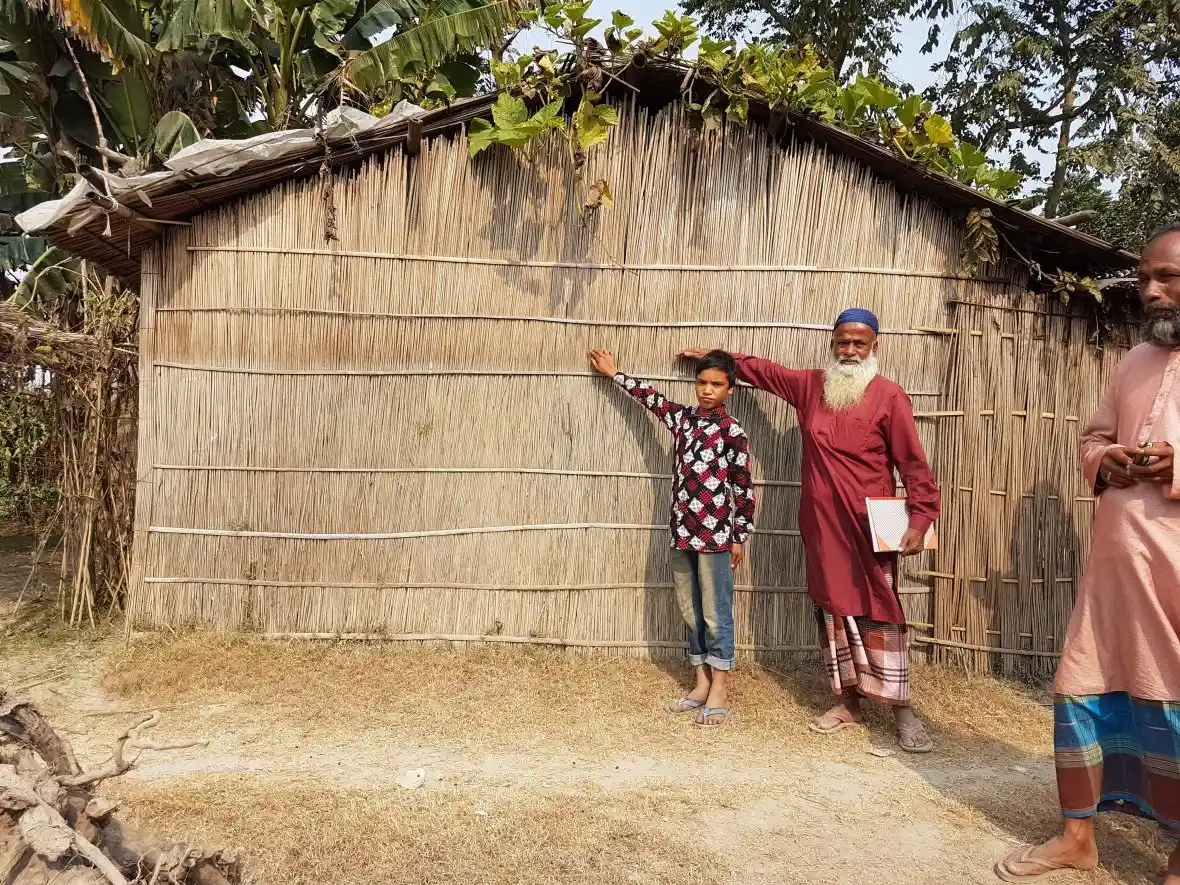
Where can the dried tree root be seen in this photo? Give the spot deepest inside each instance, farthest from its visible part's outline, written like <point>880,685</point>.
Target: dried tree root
<point>53,828</point>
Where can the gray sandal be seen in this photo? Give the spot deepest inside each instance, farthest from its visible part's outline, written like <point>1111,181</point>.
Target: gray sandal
<point>684,705</point>
<point>706,712</point>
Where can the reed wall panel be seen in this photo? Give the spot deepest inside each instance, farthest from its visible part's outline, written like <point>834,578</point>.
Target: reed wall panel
<point>397,433</point>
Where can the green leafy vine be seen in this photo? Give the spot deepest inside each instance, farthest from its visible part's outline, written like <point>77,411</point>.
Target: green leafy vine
<point>720,85</point>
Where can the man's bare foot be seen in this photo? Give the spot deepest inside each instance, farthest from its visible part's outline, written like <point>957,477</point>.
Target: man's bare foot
<point>718,699</point>
<point>1057,855</point>
<point>911,733</point>
<point>696,698</point>
<point>841,716</point>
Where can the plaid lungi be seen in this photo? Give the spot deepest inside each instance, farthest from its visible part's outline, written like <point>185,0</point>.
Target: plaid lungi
<point>1115,752</point>
<point>871,656</point>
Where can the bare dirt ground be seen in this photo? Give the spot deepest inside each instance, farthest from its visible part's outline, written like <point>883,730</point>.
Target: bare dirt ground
<point>541,768</point>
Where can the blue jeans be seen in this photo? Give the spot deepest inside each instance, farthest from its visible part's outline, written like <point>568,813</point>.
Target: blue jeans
<point>704,591</point>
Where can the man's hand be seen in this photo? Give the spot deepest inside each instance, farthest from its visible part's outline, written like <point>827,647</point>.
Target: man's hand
<point>1115,469</point>
<point>604,363</point>
<point>912,542</point>
<point>692,353</point>
<point>735,556</point>
<point>1160,470</point>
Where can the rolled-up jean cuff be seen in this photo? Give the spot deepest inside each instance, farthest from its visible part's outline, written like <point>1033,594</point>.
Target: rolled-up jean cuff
<point>718,664</point>
<point>697,660</point>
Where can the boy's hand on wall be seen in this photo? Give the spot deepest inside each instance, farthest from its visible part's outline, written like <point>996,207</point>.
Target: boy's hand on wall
<point>692,353</point>
<point>604,363</point>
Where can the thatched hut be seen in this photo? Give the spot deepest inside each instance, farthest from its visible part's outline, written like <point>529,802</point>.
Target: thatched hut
<point>394,433</point>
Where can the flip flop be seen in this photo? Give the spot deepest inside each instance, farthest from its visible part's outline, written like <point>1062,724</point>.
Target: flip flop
<point>914,739</point>
<point>684,705</point>
<point>1044,868</point>
<point>839,725</point>
<point>706,712</point>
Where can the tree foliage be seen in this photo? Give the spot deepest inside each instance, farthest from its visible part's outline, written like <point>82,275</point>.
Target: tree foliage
<point>1148,192</point>
<point>847,34</point>
<point>1022,74</point>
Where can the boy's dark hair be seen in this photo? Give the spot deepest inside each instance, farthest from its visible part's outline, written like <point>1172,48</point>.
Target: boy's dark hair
<point>719,359</point>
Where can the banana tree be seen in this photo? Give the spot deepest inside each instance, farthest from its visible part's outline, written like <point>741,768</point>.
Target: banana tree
<point>126,83</point>
<point>67,99</point>
<point>304,56</point>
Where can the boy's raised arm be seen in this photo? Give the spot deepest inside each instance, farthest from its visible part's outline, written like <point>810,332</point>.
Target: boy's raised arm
<point>762,374</point>
<point>667,411</point>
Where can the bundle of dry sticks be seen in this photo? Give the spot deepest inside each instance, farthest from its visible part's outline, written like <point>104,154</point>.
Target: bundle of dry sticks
<point>54,828</point>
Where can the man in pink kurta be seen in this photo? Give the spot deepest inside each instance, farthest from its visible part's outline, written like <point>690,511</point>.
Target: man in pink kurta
<point>858,427</point>
<point>1117,706</point>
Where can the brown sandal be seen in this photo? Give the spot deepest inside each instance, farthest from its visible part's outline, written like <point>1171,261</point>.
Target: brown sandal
<point>1042,868</point>
<point>913,738</point>
<point>831,721</point>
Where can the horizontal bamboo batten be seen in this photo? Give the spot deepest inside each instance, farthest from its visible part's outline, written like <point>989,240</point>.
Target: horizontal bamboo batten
<point>396,435</point>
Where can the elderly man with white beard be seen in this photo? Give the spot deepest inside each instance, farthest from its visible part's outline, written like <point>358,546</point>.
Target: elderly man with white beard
<point>857,428</point>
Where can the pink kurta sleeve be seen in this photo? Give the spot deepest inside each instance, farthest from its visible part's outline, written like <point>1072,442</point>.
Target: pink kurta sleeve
<point>771,377</point>
<point>1100,436</point>
<point>922,494</point>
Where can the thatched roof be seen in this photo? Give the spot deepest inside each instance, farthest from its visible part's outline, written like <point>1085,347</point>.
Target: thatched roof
<point>114,232</point>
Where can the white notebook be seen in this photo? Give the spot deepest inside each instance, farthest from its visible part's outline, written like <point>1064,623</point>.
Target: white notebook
<point>888,520</point>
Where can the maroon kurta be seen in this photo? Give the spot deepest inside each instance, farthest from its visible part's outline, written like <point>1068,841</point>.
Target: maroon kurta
<point>849,456</point>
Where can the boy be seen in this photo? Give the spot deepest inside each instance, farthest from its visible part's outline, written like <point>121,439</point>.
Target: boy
<point>712,516</point>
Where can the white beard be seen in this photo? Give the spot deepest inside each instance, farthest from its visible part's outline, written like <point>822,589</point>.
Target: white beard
<point>845,383</point>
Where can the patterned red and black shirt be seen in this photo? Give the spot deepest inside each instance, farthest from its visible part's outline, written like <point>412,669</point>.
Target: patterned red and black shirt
<point>712,495</point>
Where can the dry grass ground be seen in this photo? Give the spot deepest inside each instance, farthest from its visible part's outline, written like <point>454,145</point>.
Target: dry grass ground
<point>307,834</point>
<point>545,768</point>
<point>496,699</point>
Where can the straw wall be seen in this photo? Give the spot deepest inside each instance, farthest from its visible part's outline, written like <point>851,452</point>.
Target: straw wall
<point>398,434</point>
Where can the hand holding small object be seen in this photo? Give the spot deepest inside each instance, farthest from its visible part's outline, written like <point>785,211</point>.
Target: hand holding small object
<point>735,556</point>
<point>1152,462</point>
<point>1115,469</point>
<point>604,363</point>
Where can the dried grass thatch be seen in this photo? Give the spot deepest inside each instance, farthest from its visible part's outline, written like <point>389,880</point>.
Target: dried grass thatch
<point>27,341</point>
<point>396,435</point>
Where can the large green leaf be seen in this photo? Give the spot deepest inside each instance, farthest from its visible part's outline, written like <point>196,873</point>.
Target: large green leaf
<point>15,193</point>
<point>329,16</point>
<point>174,132</point>
<point>376,18</point>
<point>49,278</point>
<point>454,26</point>
<point>113,29</point>
<point>128,109</point>
<point>72,114</point>
<point>463,75</point>
<point>189,22</point>
<point>20,251</point>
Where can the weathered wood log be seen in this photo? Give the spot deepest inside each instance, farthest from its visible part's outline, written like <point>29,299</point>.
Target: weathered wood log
<point>54,829</point>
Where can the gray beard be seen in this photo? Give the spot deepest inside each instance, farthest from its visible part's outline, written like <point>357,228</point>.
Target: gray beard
<point>845,385</point>
<point>1162,327</point>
